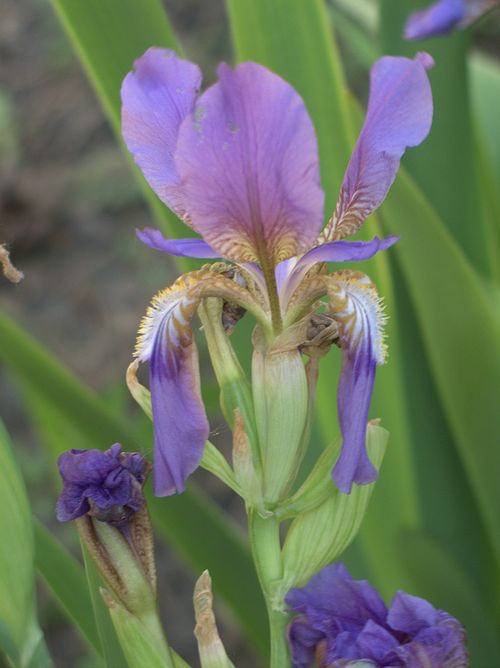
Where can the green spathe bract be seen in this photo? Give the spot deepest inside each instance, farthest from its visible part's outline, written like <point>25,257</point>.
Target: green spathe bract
<point>319,536</point>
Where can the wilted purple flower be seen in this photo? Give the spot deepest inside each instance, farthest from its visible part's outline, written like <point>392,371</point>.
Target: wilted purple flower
<point>344,622</point>
<point>240,166</point>
<point>107,485</point>
<point>441,17</point>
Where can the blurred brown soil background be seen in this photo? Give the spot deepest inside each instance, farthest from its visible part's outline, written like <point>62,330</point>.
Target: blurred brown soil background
<point>68,209</point>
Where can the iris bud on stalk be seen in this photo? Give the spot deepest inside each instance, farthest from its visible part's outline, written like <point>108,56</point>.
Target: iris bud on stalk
<point>103,493</point>
<point>210,647</point>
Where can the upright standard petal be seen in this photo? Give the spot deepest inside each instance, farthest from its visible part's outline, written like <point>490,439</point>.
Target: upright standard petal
<point>248,162</point>
<point>355,305</point>
<point>441,17</point>
<point>399,115</point>
<point>156,97</point>
<point>180,423</point>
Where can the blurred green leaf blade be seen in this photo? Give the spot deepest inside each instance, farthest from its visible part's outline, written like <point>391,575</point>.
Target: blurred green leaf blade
<point>108,36</point>
<point>19,631</point>
<point>65,579</point>
<point>458,322</point>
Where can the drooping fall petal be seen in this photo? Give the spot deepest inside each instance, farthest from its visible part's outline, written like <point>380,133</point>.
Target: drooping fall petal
<point>356,307</point>
<point>156,97</point>
<point>180,423</point>
<point>399,115</point>
<point>248,161</point>
<point>166,341</point>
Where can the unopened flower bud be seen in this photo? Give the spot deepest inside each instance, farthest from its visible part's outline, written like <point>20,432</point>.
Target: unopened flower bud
<point>210,647</point>
<point>103,492</point>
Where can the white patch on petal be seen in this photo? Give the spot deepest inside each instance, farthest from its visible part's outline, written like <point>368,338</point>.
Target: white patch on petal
<point>171,309</point>
<point>360,312</point>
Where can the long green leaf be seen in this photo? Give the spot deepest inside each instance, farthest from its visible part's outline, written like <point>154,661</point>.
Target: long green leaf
<point>461,331</point>
<point>458,524</point>
<point>191,522</point>
<point>108,36</point>
<point>484,72</point>
<point>451,183</point>
<point>66,580</point>
<point>20,634</point>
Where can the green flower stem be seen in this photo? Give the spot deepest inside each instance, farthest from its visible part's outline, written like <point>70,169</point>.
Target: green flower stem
<point>266,549</point>
<point>152,622</point>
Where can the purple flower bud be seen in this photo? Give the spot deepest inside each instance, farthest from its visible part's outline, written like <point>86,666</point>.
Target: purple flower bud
<point>344,622</point>
<point>107,485</point>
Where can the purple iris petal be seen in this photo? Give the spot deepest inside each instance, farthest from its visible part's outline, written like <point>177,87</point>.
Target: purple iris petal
<point>248,161</point>
<point>374,642</point>
<point>180,423</point>
<point>441,17</point>
<point>438,19</point>
<point>156,97</point>
<point>410,614</point>
<point>290,273</point>
<point>178,247</point>
<point>303,641</point>
<point>356,307</point>
<point>333,592</point>
<point>353,402</point>
<point>106,484</point>
<point>343,622</point>
<point>399,115</point>
<point>346,251</point>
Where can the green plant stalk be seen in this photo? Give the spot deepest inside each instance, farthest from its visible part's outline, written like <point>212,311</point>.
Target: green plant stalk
<point>266,549</point>
<point>152,623</point>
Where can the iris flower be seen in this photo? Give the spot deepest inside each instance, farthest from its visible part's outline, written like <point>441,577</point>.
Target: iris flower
<point>107,485</point>
<point>239,165</point>
<point>441,17</point>
<point>344,623</point>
